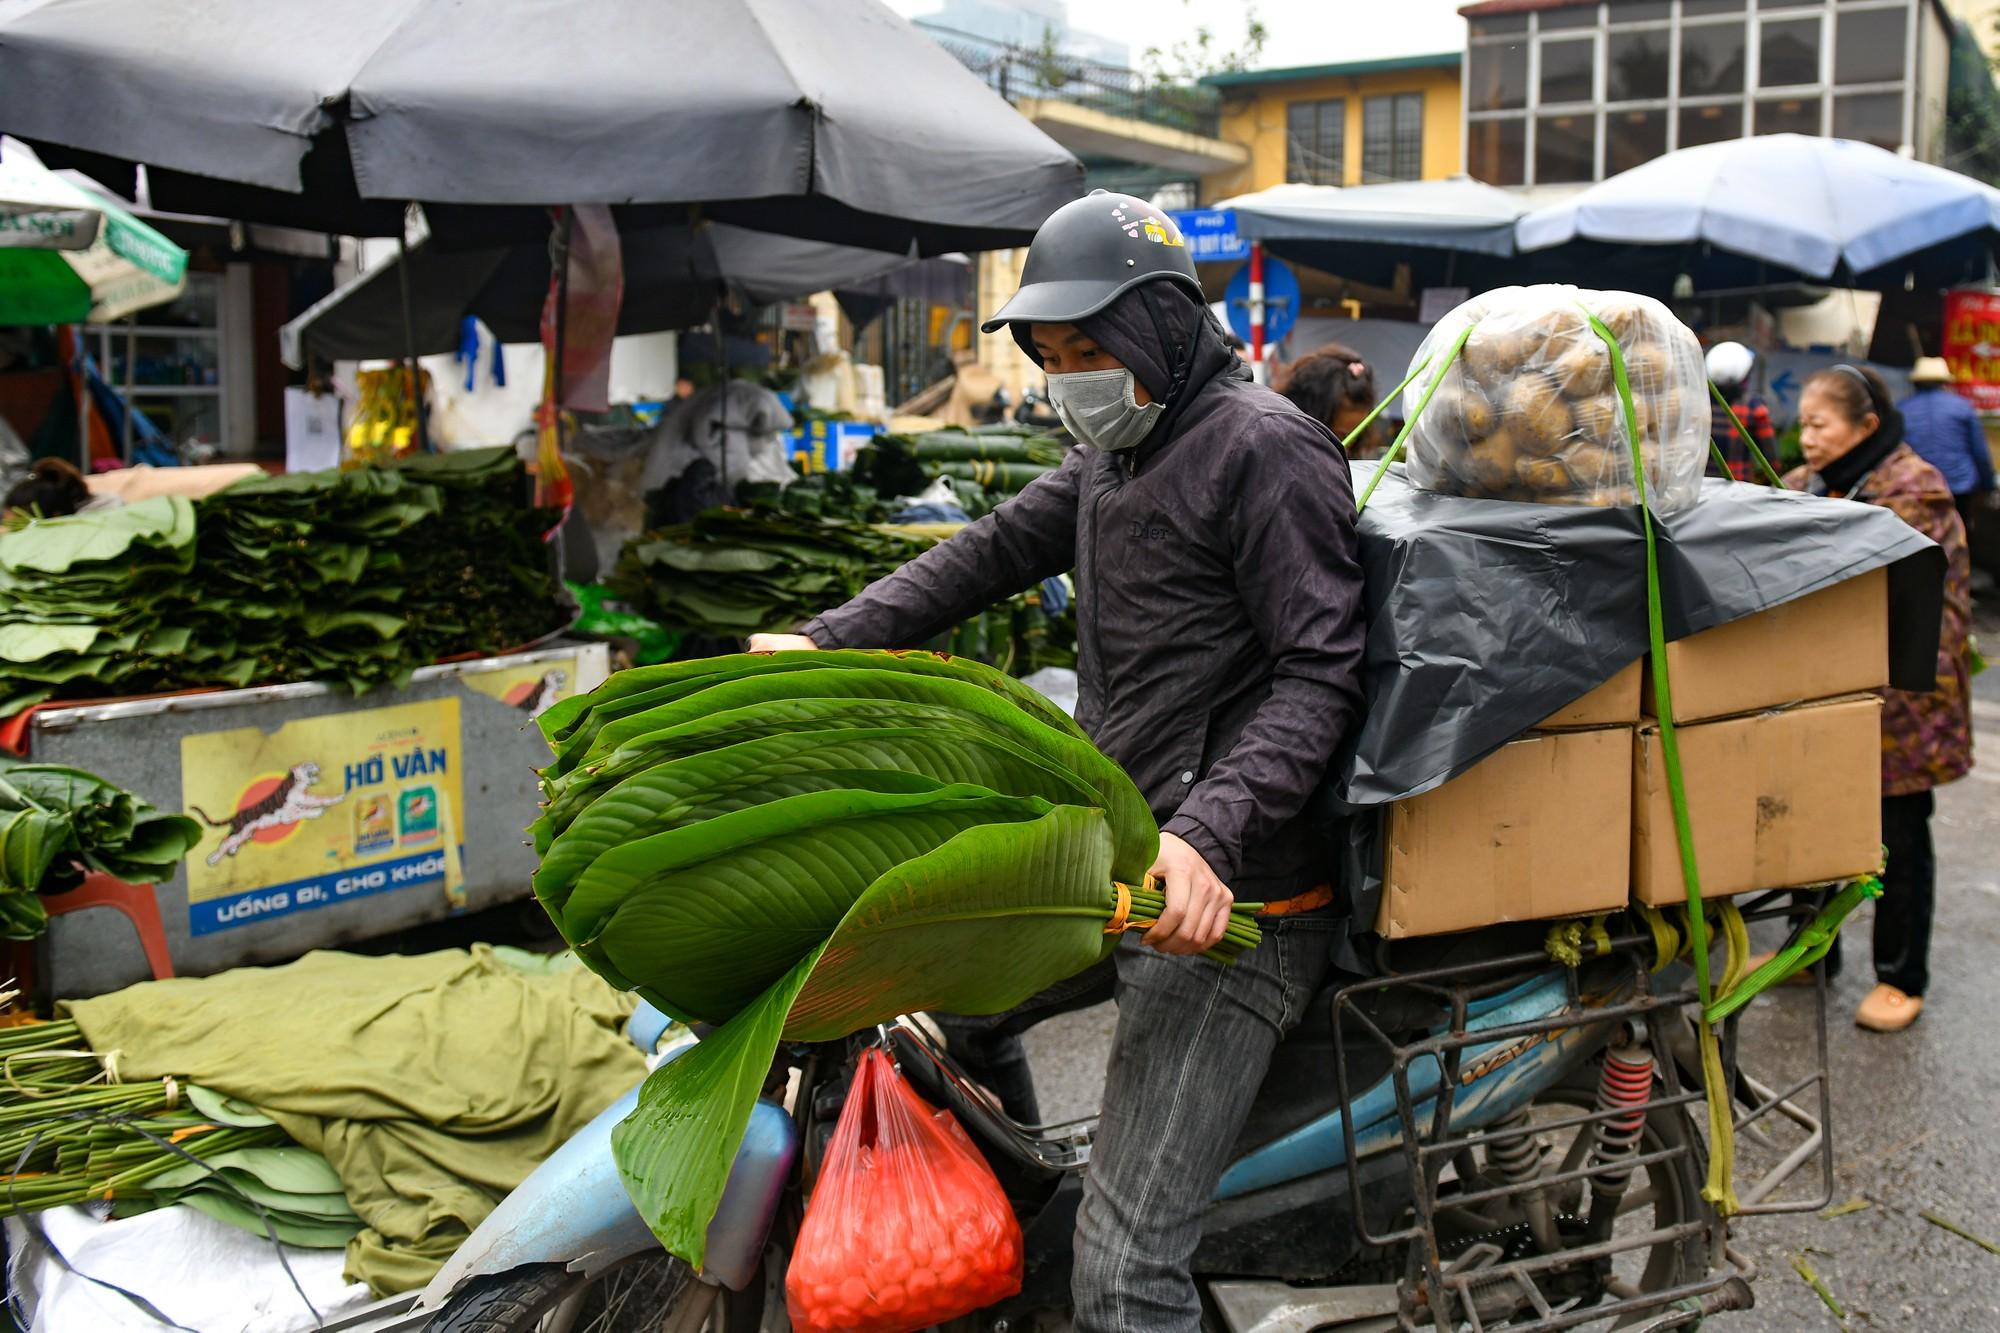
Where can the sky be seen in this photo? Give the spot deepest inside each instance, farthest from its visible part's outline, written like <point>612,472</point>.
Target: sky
<point>1302,32</point>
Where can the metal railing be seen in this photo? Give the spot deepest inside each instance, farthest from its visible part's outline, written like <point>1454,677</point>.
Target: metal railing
<point>1525,1285</point>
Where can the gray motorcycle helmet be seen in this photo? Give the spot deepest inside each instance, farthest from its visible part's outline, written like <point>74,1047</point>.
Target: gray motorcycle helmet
<point>1090,252</point>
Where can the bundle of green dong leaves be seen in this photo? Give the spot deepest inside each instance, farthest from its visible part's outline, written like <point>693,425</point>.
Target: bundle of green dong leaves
<point>57,822</point>
<point>732,573</point>
<point>801,845</point>
<point>736,572</point>
<point>357,576</point>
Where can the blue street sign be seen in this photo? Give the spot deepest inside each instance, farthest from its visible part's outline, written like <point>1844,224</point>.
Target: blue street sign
<point>1281,300</point>
<point>1781,388</point>
<point>1211,236</point>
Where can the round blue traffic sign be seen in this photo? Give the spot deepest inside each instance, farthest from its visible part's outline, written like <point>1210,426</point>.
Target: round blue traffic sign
<point>1281,300</point>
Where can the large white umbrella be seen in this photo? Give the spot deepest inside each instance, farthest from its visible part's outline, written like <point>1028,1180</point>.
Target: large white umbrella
<point>69,255</point>
<point>1824,208</point>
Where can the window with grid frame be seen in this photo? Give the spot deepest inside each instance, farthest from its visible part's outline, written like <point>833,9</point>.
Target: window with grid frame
<point>1392,138</point>
<point>1316,142</point>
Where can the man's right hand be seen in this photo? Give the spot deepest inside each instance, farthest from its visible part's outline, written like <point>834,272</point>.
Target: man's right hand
<point>782,643</point>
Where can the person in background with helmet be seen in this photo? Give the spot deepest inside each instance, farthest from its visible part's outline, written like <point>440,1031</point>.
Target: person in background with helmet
<point>1211,526</point>
<point>1729,367</point>
<point>1944,430</point>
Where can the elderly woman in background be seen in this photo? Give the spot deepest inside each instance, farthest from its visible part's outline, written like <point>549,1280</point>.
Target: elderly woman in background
<point>1853,441</point>
<point>1337,389</point>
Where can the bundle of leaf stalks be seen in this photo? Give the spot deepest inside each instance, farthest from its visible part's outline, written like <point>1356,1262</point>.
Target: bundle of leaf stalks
<point>358,576</point>
<point>71,1133</point>
<point>56,823</point>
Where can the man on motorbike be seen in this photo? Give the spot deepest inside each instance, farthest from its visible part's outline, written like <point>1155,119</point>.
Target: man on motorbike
<point>1211,526</point>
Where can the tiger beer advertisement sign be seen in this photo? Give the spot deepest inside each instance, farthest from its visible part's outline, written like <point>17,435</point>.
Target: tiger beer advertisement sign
<point>323,810</point>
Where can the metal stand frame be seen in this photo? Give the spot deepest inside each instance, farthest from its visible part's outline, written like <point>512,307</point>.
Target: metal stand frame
<point>1441,1293</point>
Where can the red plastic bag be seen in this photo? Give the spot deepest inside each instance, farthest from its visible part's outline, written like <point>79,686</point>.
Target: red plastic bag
<point>907,1226</point>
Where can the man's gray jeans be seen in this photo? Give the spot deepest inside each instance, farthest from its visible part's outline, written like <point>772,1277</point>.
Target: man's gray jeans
<point>1194,1039</point>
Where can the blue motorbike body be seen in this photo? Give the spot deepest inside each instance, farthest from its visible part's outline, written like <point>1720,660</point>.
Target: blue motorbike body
<point>574,1209</point>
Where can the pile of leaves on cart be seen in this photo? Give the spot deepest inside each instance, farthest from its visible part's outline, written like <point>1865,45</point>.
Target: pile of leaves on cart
<point>57,823</point>
<point>792,553</point>
<point>356,576</point>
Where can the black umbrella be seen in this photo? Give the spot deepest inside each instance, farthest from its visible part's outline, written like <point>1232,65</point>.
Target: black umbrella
<point>674,278</point>
<point>834,120</point>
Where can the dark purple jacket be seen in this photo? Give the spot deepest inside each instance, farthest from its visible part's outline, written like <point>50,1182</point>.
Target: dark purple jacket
<point>1219,624</point>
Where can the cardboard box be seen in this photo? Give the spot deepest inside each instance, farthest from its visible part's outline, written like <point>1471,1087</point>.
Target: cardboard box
<point>1615,703</point>
<point>1540,828</point>
<point>1828,643</point>
<point>1774,799</point>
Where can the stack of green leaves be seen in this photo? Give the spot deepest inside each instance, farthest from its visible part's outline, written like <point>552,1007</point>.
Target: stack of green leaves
<point>358,576</point>
<point>88,599</point>
<point>800,845</point>
<point>732,573</point>
<point>58,822</point>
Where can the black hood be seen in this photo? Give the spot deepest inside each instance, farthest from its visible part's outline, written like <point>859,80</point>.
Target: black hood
<point>1167,339</point>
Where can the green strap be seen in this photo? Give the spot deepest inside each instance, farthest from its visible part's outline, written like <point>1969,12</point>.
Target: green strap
<point>1396,449</point>
<point>1804,949</point>
<point>1770,473</point>
<point>1670,750</point>
<point>1715,452</point>
<point>1719,1190</point>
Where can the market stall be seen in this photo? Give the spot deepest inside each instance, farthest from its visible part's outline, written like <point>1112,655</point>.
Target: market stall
<point>334,669</point>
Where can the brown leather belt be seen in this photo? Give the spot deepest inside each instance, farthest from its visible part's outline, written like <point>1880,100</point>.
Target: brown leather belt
<point>1309,901</point>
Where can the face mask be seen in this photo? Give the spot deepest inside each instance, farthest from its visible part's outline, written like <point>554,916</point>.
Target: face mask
<point>1101,410</point>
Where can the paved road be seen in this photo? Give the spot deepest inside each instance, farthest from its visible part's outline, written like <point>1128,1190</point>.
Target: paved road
<point>1916,1116</point>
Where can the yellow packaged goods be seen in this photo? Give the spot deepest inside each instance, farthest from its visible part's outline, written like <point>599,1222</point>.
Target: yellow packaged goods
<point>1540,828</point>
<point>1832,642</point>
<point>1530,410</point>
<point>1774,799</point>
<point>1614,703</point>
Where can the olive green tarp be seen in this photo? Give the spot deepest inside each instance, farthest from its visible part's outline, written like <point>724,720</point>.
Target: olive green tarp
<point>433,1084</point>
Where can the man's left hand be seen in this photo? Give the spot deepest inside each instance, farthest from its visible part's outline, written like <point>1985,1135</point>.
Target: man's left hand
<point>1197,910</point>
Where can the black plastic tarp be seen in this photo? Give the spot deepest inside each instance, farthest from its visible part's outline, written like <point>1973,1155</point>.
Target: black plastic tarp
<point>1486,616</point>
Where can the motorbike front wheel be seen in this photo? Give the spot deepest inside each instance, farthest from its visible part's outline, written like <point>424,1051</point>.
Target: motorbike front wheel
<point>649,1293</point>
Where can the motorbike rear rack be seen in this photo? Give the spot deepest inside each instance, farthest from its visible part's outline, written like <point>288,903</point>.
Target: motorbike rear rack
<point>1481,1287</point>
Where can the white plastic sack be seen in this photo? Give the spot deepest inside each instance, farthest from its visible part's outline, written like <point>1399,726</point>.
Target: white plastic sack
<point>1528,410</point>
<point>199,1272</point>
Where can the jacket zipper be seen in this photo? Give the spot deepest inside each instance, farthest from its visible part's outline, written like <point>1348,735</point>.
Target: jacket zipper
<point>1096,535</point>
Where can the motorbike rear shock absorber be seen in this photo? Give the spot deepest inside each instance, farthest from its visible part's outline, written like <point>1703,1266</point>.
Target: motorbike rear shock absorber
<point>1517,1159</point>
<point>1625,1086</point>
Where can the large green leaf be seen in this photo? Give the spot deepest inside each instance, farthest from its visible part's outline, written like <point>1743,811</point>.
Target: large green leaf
<point>56,544</point>
<point>703,917</point>
<point>978,925</point>
<point>698,786</point>
<point>34,642</point>
<point>569,792</point>
<point>634,691</point>
<point>623,747</point>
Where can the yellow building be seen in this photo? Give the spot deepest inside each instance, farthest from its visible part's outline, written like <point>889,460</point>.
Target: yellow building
<point>1347,124</point>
